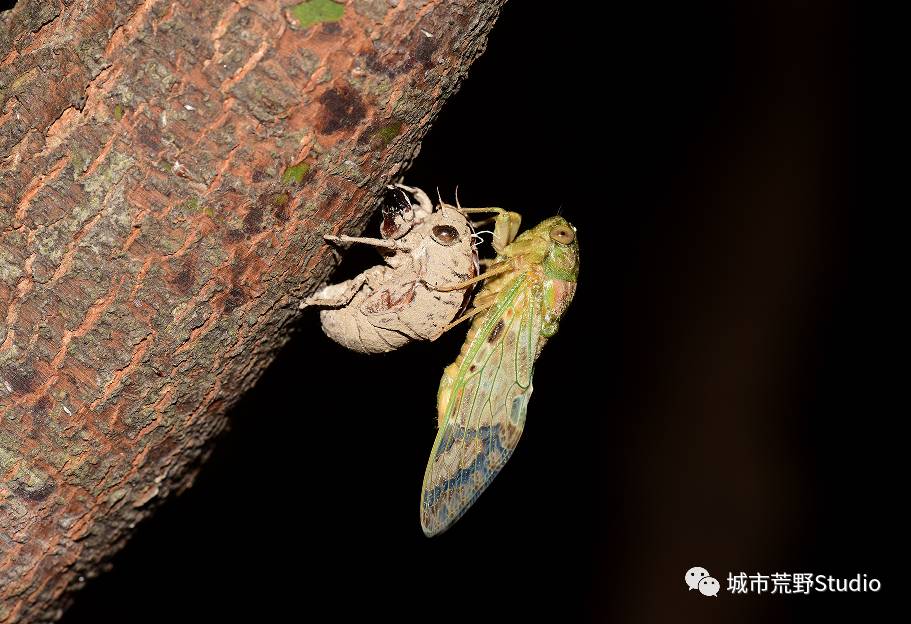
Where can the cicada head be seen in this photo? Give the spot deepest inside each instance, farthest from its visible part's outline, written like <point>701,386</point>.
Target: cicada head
<point>552,245</point>
<point>562,259</point>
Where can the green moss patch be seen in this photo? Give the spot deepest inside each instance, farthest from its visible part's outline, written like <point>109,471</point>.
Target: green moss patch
<point>316,11</point>
<point>384,135</point>
<point>295,173</point>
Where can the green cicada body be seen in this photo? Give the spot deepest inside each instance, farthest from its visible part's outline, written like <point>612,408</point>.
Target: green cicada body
<point>484,394</point>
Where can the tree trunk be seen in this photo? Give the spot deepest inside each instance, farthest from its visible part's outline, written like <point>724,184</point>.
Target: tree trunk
<point>167,171</point>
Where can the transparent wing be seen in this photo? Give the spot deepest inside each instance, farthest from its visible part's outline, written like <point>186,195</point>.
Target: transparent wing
<point>486,411</point>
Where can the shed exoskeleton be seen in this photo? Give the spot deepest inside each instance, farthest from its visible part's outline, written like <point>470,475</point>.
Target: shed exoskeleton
<point>425,249</point>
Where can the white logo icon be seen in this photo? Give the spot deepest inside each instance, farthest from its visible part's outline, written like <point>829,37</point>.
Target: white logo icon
<point>709,587</point>
<point>694,575</point>
<point>699,578</point>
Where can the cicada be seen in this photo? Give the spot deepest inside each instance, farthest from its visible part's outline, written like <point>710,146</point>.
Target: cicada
<point>424,248</point>
<point>483,396</point>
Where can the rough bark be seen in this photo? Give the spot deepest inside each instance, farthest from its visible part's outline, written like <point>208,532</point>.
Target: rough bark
<point>167,171</point>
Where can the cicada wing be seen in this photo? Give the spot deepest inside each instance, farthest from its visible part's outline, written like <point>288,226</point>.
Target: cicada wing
<point>486,415</point>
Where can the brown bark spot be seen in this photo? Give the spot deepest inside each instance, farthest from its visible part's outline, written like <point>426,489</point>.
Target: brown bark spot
<point>423,51</point>
<point>342,109</point>
<point>21,381</point>
<point>233,236</point>
<point>34,492</point>
<point>241,264</point>
<point>236,297</point>
<point>43,405</point>
<point>253,222</point>
<point>186,277</point>
<point>331,28</point>
<point>373,63</point>
<point>160,451</point>
<point>276,203</point>
<point>40,418</point>
<point>149,136</point>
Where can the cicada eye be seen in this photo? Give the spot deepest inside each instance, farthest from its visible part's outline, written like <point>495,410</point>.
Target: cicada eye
<point>563,234</point>
<point>445,235</point>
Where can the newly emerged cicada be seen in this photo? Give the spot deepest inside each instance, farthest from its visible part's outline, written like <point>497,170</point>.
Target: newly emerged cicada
<point>424,248</point>
<point>483,396</point>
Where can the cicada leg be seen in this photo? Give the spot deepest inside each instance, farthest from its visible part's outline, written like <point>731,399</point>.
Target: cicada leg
<point>341,294</point>
<point>500,267</point>
<point>505,228</point>
<point>470,314</point>
<point>375,242</point>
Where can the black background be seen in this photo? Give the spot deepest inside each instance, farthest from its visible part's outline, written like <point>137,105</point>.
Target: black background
<point>718,394</point>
